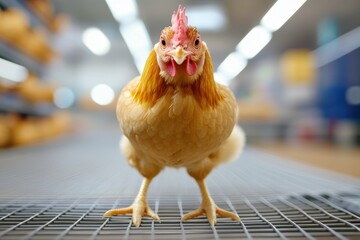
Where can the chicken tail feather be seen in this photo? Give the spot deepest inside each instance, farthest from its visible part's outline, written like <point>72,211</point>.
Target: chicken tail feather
<point>231,148</point>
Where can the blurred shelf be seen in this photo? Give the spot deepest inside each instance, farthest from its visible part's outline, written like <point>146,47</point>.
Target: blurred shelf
<point>51,22</point>
<point>12,103</point>
<point>12,54</point>
<point>27,111</point>
<point>25,39</point>
<point>34,20</point>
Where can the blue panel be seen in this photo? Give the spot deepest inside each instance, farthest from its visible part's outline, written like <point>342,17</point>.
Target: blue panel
<point>334,80</point>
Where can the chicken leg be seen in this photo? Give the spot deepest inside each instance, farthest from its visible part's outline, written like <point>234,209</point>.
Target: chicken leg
<point>139,207</point>
<point>208,207</point>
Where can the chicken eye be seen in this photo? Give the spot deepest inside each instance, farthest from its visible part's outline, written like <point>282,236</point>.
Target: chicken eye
<point>163,42</point>
<point>197,42</point>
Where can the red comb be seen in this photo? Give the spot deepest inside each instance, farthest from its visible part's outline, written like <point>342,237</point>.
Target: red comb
<point>179,23</point>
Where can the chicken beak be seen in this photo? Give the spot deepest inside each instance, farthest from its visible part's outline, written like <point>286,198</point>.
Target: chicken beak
<point>179,54</point>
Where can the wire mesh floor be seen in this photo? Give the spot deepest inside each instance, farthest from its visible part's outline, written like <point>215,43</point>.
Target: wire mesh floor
<point>60,190</point>
<point>294,217</point>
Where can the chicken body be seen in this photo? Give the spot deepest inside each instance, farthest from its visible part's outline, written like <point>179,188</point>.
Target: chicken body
<point>176,115</point>
<point>176,131</point>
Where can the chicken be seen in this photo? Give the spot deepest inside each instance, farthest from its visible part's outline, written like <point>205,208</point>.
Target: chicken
<point>176,115</point>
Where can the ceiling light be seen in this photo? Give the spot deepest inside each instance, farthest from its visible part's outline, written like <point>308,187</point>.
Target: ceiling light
<point>138,41</point>
<point>337,48</point>
<point>208,17</point>
<point>13,72</point>
<point>96,41</point>
<point>64,97</point>
<point>253,42</point>
<point>231,66</point>
<point>123,10</point>
<point>102,94</point>
<point>220,77</point>
<point>279,13</point>
<point>257,39</point>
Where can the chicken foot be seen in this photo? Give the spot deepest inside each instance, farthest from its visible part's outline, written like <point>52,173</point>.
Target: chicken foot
<point>139,207</point>
<point>208,207</point>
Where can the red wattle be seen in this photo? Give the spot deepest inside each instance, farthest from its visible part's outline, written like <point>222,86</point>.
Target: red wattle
<point>191,67</point>
<point>171,67</point>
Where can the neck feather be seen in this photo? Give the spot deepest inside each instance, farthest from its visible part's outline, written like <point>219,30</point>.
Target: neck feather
<point>204,88</point>
<point>151,86</point>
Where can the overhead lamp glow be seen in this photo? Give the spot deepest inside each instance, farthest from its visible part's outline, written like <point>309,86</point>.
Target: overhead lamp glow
<point>96,41</point>
<point>123,10</point>
<point>102,94</point>
<point>220,77</point>
<point>138,41</point>
<point>207,18</point>
<point>279,13</point>
<point>232,66</point>
<point>64,97</point>
<point>253,42</point>
<point>13,72</point>
<point>337,48</point>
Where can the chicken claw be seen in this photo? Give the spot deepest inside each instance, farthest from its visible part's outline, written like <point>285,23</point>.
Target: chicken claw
<point>138,209</point>
<point>210,210</point>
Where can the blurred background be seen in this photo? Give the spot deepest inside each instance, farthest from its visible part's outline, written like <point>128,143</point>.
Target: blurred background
<point>293,66</point>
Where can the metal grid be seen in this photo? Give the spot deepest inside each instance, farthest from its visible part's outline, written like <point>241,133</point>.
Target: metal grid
<point>291,217</point>
<point>47,195</point>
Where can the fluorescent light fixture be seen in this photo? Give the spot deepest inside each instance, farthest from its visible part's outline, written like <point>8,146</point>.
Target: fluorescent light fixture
<point>102,94</point>
<point>220,77</point>
<point>207,17</point>
<point>138,41</point>
<point>254,41</point>
<point>337,47</point>
<point>12,72</point>
<point>279,13</point>
<point>231,66</point>
<point>123,10</point>
<point>96,41</point>
<point>64,97</point>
